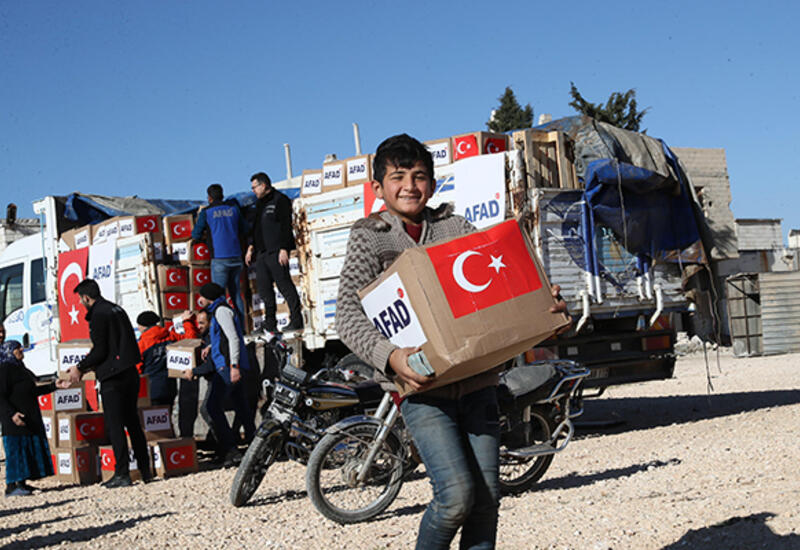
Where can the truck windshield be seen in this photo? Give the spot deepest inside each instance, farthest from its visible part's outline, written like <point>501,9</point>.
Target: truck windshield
<point>10,290</point>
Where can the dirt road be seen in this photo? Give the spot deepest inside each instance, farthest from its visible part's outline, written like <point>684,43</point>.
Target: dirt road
<point>674,467</point>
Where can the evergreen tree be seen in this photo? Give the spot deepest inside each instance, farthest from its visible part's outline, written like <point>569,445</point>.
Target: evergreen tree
<point>509,115</point>
<point>620,110</point>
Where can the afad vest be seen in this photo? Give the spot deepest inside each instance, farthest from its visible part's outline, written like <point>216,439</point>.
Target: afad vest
<point>223,224</point>
<point>219,343</point>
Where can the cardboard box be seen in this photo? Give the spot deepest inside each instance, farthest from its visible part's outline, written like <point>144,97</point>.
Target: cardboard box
<point>334,175</point>
<point>359,169</point>
<point>137,225</point>
<point>174,457</point>
<point>173,278</point>
<point>478,143</point>
<point>156,422</point>
<point>105,231</point>
<point>311,183</point>
<point>174,303</point>
<point>107,463</point>
<point>159,249</point>
<point>183,355</point>
<point>470,303</point>
<point>441,150</point>
<point>143,399</point>
<point>70,354</point>
<point>81,428</point>
<point>199,275</point>
<point>67,400</point>
<point>194,300</point>
<point>76,465</point>
<point>50,428</point>
<point>178,228</point>
<point>90,391</point>
<point>80,237</point>
<point>187,253</point>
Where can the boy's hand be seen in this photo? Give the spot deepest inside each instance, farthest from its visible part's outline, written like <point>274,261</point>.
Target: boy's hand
<point>398,362</point>
<point>560,307</point>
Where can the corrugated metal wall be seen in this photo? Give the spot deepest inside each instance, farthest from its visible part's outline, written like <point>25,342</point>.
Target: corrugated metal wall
<point>759,234</point>
<point>780,311</point>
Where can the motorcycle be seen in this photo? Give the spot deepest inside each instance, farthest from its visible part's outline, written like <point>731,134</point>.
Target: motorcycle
<point>357,469</point>
<point>300,407</point>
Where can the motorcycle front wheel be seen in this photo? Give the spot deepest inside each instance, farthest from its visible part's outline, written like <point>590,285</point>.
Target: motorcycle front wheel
<point>518,474</point>
<point>333,468</point>
<point>259,457</point>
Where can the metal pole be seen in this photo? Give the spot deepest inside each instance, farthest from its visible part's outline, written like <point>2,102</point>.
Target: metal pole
<point>357,137</point>
<point>288,161</point>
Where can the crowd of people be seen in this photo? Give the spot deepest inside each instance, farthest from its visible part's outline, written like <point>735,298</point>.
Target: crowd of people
<point>454,427</point>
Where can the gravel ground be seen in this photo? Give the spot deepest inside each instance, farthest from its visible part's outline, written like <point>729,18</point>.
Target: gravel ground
<point>656,465</point>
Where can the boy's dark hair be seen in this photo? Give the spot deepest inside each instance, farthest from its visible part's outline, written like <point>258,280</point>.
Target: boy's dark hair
<point>402,151</point>
<point>261,177</point>
<point>88,287</point>
<point>215,192</point>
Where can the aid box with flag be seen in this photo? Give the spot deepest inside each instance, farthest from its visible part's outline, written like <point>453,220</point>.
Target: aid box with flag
<point>64,400</point>
<point>107,463</point>
<point>189,253</point>
<point>173,277</point>
<point>173,457</point>
<point>70,354</point>
<point>199,276</point>
<point>81,428</point>
<point>173,303</point>
<point>156,422</point>
<point>183,355</point>
<point>178,228</point>
<point>470,303</point>
<point>478,143</point>
<point>76,464</point>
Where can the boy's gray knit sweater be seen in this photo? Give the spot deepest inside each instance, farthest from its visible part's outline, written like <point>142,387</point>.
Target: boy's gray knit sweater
<point>374,243</point>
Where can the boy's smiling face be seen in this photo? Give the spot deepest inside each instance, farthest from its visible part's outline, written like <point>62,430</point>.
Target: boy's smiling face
<point>405,191</point>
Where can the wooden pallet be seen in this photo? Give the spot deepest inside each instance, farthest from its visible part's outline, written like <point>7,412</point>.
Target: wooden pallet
<point>549,158</point>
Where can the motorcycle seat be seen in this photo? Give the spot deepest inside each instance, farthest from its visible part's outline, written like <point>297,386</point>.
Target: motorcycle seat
<point>531,382</point>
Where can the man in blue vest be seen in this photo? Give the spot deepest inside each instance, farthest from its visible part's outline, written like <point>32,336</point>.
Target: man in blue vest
<point>226,227</point>
<point>229,356</point>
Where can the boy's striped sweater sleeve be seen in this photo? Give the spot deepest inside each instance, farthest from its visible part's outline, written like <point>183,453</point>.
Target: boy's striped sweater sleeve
<point>361,266</point>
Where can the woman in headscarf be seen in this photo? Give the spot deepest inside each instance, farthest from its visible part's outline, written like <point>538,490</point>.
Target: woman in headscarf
<point>27,451</point>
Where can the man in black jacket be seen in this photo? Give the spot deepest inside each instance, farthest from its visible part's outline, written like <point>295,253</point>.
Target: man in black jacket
<point>113,358</point>
<point>272,241</point>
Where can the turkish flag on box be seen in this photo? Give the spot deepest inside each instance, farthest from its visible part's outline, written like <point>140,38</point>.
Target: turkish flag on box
<point>108,463</point>
<point>173,457</point>
<point>148,224</point>
<point>173,277</point>
<point>201,252</point>
<point>470,303</point>
<point>173,303</point>
<point>200,276</point>
<point>178,228</point>
<point>478,143</point>
<point>71,314</point>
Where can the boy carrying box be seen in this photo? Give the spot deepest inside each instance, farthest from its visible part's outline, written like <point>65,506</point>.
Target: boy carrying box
<point>455,427</point>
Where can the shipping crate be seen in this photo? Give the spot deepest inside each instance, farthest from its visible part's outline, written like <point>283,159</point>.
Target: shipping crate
<point>70,354</point>
<point>76,464</point>
<point>478,143</point>
<point>156,422</point>
<point>173,457</point>
<point>173,278</point>
<point>441,150</point>
<point>311,182</point>
<point>178,228</point>
<point>81,428</point>
<point>107,463</point>
<point>334,175</point>
<point>549,158</point>
<point>66,400</point>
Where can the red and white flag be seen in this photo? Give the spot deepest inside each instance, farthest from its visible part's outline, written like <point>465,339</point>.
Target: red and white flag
<point>200,276</point>
<point>90,428</point>
<point>180,230</point>
<point>201,252</point>
<point>147,224</point>
<point>71,271</point>
<point>494,145</point>
<point>178,458</point>
<point>465,146</point>
<point>484,269</point>
<point>371,202</point>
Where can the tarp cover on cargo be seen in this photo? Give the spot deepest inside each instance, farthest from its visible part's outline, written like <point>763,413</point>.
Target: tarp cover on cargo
<point>634,185</point>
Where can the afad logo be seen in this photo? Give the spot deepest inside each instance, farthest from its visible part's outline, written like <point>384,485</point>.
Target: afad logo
<point>394,318</point>
<point>312,183</point>
<point>483,210</point>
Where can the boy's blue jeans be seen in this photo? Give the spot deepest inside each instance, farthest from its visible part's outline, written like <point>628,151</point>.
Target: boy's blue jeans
<point>458,441</point>
<point>226,272</point>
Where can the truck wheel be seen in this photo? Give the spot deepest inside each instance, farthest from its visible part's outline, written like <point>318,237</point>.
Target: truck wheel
<point>517,475</point>
<point>259,457</point>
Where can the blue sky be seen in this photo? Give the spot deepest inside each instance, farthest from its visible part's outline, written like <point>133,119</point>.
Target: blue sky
<point>160,99</point>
